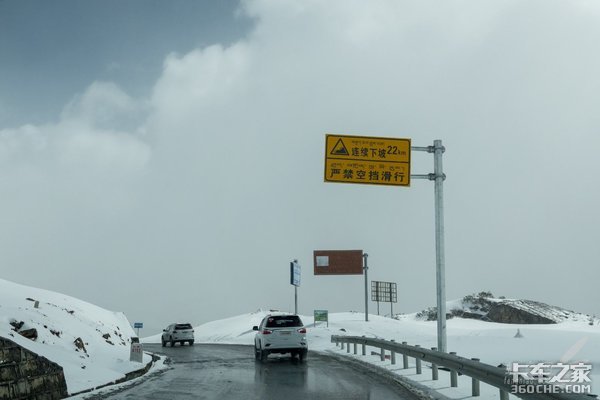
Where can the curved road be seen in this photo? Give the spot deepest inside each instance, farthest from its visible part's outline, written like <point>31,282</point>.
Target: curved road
<point>230,372</point>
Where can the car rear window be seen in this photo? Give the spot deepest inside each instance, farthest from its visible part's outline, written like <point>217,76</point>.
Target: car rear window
<point>183,326</point>
<point>285,321</point>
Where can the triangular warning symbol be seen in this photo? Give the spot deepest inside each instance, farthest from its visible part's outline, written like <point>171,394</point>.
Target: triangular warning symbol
<point>340,149</point>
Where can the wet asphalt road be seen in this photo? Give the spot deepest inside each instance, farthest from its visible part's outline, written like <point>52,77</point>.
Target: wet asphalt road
<point>230,372</point>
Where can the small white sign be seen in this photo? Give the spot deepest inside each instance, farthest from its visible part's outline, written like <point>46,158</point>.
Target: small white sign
<point>322,261</point>
<point>137,353</point>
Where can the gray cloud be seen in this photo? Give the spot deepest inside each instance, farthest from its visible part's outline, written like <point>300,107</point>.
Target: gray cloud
<point>198,208</point>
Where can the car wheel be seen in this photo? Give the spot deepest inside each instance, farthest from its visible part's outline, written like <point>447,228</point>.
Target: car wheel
<point>256,352</point>
<point>191,342</point>
<point>172,343</point>
<point>163,343</point>
<point>263,355</point>
<point>302,355</point>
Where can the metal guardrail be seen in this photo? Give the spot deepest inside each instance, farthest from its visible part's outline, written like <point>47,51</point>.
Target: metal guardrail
<point>478,371</point>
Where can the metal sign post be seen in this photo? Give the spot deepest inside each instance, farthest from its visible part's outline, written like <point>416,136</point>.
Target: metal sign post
<point>440,271</point>
<point>295,281</point>
<point>366,268</point>
<point>438,176</point>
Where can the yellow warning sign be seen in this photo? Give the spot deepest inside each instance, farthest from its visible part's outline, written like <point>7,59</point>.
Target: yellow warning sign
<point>367,160</point>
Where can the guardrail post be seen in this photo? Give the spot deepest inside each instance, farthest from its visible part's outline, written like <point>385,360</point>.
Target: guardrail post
<point>404,359</point>
<point>453,375</point>
<point>382,354</point>
<point>393,355</point>
<point>364,349</point>
<point>342,343</point>
<point>503,395</point>
<point>418,362</point>
<point>434,368</point>
<point>354,348</point>
<point>474,383</point>
<point>348,347</point>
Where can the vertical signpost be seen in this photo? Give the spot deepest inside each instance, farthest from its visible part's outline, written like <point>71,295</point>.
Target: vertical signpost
<point>386,161</point>
<point>438,177</point>
<point>439,243</point>
<point>366,268</point>
<point>295,280</point>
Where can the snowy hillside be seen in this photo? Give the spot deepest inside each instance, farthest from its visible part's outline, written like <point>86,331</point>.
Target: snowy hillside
<point>90,343</point>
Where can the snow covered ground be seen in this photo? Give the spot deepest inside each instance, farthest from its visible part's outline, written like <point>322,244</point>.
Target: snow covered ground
<point>571,341</point>
<point>59,321</point>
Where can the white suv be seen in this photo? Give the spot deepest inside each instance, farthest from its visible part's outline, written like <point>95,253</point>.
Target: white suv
<point>178,333</point>
<point>280,334</point>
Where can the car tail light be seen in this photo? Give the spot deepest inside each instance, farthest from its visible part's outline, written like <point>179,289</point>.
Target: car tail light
<point>302,330</point>
<point>266,332</point>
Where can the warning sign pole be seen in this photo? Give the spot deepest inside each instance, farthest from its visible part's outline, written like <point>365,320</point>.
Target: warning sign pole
<point>366,268</point>
<point>438,177</point>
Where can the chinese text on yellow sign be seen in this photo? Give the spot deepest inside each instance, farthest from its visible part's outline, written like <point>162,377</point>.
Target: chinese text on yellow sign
<point>367,160</point>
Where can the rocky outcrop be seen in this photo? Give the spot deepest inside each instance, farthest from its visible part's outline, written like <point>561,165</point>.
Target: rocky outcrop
<point>512,313</point>
<point>484,306</point>
<point>30,333</point>
<point>25,375</point>
<point>79,345</point>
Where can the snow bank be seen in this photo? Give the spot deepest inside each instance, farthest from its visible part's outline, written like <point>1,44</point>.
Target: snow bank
<point>59,321</point>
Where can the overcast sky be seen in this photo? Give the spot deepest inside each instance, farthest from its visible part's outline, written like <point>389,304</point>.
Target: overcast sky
<point>157,157</point>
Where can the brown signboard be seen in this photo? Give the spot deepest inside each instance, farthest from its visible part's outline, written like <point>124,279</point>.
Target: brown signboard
<point>338,262</point>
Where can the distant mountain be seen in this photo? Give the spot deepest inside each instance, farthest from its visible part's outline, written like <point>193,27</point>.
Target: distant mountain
<point>484,306</point>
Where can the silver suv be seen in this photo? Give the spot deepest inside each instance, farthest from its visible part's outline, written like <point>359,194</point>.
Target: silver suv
<point>280,334</point>
<point>178,333</point>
